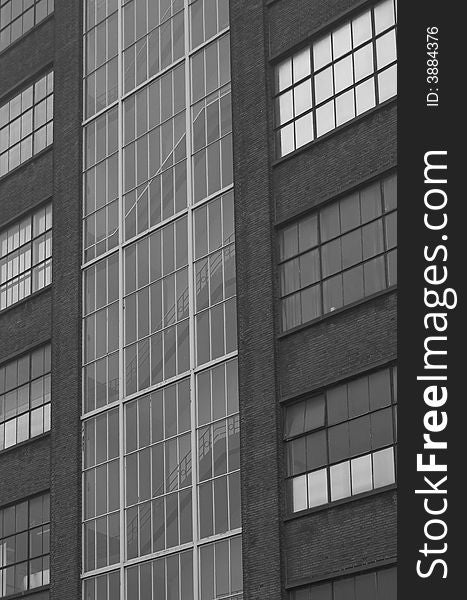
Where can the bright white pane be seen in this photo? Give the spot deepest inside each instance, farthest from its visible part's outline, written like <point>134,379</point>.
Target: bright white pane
<point>286,139</point>
<point>345,107</point>
<point>285,107</point>
<point>340,481</point>
<point>363,61</point>
<point>322,52</point>
<point>284,74</point>
<point>365,96</point>
<point>303,130</point>
<point>324,87</point>
<point>301,65</point>
<point>341,40</point>
<point>299,493</point>
<point>383,467</point>
<point>361,29</point>
<point>387,83</point>
<point>343,74</point>
<point>386,49</point>
<point>384,15</point>
<point>325,118</point>
<point>317,488</point>
<point>302,97</point>
<point>362,480</point>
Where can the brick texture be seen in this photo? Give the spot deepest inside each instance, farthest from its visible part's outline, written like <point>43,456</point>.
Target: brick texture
<point>66,307</point>
<point>279,551</point>
<point>52,461</point>
<point>258,409</point>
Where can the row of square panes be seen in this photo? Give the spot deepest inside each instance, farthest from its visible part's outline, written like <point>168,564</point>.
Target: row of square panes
<point>25,398</point>
<point>375,585</point>
<point>349,478</point>
<point>348,236</point>
<point>24,538</point>
<point>17,17</point>
<point>25,251</point>
<point>26,124</point>
<point>353,47</point>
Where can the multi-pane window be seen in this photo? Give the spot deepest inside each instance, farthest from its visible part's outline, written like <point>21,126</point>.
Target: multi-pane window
<point>165,578</point>
<point>101,61</point>
<point>26,256</point>
<point>100,228</point>
<point>25,397</point>
<point>155,153</point>
<point>218,441</point>
<point>375,585</point>
<point>103,587</point>
<point>207,18</point>
<point>215,304</point>
<point>211,119</point>
<point>153,38</point>
<point>340,76</point>
<point>220,570</point>
<point>156,307</point>
<point>17,17</point>
<point>25,545</point>
<point>101,536</point>
<point>100,355</point>
<point>158,471</point>
<point>26,124</point>
<point>340,443</point>
<point>339,254</point>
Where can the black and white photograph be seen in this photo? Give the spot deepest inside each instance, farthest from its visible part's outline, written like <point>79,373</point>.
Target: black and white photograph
<point>212,386</point>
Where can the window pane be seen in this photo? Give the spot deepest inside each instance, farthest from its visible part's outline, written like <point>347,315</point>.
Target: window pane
<point>383,467</point>
<point>317,488</point>
<point>362,480</point>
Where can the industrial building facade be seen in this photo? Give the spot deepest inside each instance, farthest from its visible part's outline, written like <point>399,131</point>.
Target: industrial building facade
<point>198,383</point>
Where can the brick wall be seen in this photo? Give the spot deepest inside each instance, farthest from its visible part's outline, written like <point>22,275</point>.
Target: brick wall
<point>279,551</point>
<point>258,409</point>
<point>51,461</point>
<point>66,308</point>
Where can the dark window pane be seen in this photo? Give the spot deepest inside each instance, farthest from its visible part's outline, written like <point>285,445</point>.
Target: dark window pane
<point>338,438</point>
<point>387,584</point>
<point>353,285</point>
<point>357,391</point>
<point>359,432</point>
<point>344,589</point>
<point>381,428</point>
<point>316,451</point>
<point>336,399</point>
<point>315,413</point>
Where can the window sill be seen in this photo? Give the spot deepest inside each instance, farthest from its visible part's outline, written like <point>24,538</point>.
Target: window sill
<point>24,300</point>
<point>26,163</point>
<point>25,35</point>
<point>27,593</point>
<point>279,161</point>
<point>365,568</point>
<point>331,505</point>
<point>338,311</point>
<point>36,438</point>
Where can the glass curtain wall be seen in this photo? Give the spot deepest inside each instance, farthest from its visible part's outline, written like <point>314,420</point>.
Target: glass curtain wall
<point>161,481</point>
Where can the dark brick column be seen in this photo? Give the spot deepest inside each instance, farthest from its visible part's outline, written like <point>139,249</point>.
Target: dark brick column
<point>66,306</point>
